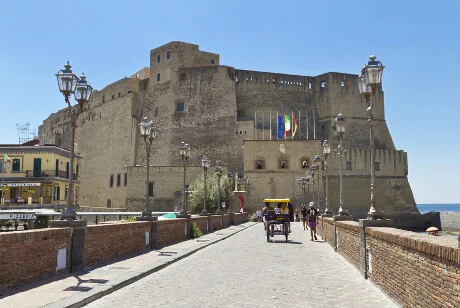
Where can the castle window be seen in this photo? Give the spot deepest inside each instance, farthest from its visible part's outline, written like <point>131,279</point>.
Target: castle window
<point>183,76</point>
<point>342,84</point>
<point>213,62</point>
<point>323,84</point>
<point>348,165</point>
<point>113,96</point>
<point>111,181</point>
<point>259,164</point>
<point>305,164</point>
<point>130,92</point>
<point>151,189</point>
<point>119,94</point>
<point>125,182</point>
<point>103,99</point>
<point>180,107</point>
<point>158,59</point>
<point>283,164</point>
<point>156,111</point>
<point>377,166</point>
<point>118,179</point>
<point>158,77</point>
<point>309,85</point>
<point>168,55</point>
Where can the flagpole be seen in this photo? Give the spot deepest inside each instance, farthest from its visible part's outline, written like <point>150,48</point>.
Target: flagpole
<point>314,125</point>
<point>293,124</point>
<point>270,125</point>
<point>306,117</point>
<point>263,126</point>
<point>284,118</point>
<point>277,125</point>
<point>255,125</point>
<point>300,136</point>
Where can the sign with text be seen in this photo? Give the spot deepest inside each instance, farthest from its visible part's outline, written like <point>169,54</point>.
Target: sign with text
<point>23,184</point>
<point>17,216</point>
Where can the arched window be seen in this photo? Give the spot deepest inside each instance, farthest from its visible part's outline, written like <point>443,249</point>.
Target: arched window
<point>323,84</point>
<point>259,164</point>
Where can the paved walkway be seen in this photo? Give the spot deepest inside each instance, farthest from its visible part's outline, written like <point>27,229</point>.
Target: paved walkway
<point>241,271</point>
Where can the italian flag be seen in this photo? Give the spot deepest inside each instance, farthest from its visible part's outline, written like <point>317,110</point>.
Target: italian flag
<point>6,158</point>
<point>287,124</point>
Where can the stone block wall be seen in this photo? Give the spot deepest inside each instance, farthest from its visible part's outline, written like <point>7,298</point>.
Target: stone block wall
<point>171,231</point>
<point>238,218</point>
<point>328,231</point>
<point>244,217</point>
<point>348,241</point>
<point>31,255</point>
<point>416,270</point>
<point>106,242</point>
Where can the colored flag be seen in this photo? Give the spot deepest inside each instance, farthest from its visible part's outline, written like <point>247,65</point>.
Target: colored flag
<point>295,125</point>
<point>6,158</point>
<point>280,127</point>
<point>287,124</point>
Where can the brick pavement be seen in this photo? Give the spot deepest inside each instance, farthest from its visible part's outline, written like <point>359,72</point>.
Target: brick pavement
<point>300,273</point>
<point>75,290</point>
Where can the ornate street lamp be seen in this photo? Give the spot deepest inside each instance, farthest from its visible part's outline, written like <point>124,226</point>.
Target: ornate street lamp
<point>302,181</point>
<point>339,125</point>
<point>230,179</point>
<point>148,132</point>
<point>313,173</point>
<point>205,163</point>
<point>317,162</point>
<point>184,152</point>
<point>326,152</point>
<point>242,181</point>
<point>219,175</point>
<point>308,178</point>
<point>368,82</point>
<point>69,84</point>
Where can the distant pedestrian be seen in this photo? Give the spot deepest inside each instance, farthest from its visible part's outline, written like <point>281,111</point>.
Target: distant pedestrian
<point>303,213</point>
<point>259,215</point>
<point>296,214</point>
<point>312,214</point>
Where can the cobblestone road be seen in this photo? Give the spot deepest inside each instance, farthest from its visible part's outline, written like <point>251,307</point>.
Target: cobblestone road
<point>299,273</point>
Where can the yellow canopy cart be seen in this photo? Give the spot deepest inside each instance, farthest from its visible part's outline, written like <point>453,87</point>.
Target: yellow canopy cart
<point>277,224</point>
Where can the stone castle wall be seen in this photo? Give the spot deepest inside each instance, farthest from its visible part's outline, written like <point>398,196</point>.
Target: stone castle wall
<point>216,109</point>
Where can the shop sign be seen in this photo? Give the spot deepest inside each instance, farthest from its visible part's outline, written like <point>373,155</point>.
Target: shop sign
<point>18,216</point>
<point>23,184</point>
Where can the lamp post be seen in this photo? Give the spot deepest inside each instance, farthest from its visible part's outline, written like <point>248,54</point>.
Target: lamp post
<point>313,173</point>
<point>184,152</point>
<point>317,162</point>
<point>70,84</point>
<point>219,175</point>
<point>368,82</point>
<point>339,125</point>
<point>205,163</point>
<point>326,151</point>
<point>302,181</point>
<point>245,182</point>
<point>308,178</point>
<point>148,131</point>
<point>230,179</point>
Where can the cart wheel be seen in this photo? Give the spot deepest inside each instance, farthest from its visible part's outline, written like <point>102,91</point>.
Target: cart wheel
<point>268,234</point>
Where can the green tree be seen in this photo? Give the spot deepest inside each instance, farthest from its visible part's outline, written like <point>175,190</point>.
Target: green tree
<point>196,200</point>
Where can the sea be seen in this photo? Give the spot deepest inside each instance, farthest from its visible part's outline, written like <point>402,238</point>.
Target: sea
<point>425,208</point>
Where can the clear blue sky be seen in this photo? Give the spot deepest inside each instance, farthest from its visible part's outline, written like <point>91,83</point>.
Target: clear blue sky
<point>418,41</point>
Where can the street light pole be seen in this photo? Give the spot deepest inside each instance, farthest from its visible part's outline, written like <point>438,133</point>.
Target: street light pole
<point>219,174</point>
<point>313,173</point>
<point>308,178</point>
<point>317,161</point>
<point>184,151</point>
<point>339,126</point>
<point>205,163</point>
<point>326,152</point>
<point>148,131</point>
<point>230,179</point>
<point>302,181</point>
<point>368,82</point>
<point>70,84</point>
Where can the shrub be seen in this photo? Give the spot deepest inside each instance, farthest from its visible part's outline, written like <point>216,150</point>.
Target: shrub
<point>195,231</point>
<point>130,219</point>
<point>252,217</point>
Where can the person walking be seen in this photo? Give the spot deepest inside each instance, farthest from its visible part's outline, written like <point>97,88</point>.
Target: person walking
<point>303,213</point>
<point>312,213</point>
<point>259,215</point>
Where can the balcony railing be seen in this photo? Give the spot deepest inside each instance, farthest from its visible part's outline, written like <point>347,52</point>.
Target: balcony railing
<point>48,173</point>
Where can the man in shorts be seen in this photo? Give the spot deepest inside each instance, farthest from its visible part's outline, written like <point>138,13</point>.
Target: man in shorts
<point>303,213</point>
<point>270,211</point>
<point>312,214</point>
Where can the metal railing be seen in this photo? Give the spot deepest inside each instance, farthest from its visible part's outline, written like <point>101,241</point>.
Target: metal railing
<point>48,173</point>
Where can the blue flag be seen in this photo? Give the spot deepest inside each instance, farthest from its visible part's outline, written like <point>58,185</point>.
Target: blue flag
<point>280,127</point>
